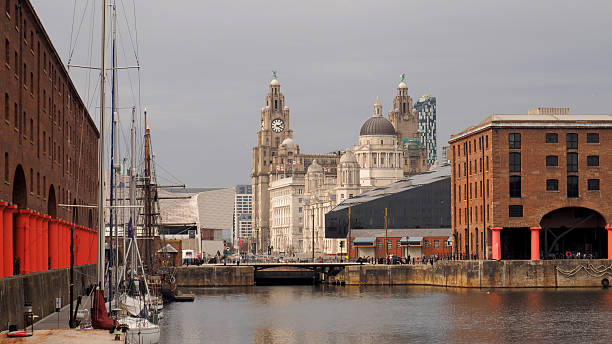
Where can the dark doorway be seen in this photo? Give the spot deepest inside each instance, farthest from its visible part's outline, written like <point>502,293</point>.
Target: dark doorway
<point>52,203</point>
<point>573,232</point>
<point>515,243</point>
<point>20,190</point>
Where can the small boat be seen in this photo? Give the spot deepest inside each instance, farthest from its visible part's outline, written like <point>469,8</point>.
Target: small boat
<point>139,330</point>
<point>19,333</point>
<point>184,297</point>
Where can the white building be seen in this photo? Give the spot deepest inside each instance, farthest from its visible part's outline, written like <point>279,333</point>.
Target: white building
<point>378,152</point>
<point>243,208</point>
<point>286,214</point>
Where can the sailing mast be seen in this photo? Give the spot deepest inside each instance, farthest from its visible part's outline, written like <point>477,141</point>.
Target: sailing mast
<point>147,195</point>
<point>100,267</point>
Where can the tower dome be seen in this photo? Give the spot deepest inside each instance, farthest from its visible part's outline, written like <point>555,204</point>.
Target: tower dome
<point>402,85</point>
<point>348,157</point>
<point>377,124</point>
<point>288,143</point>
<point>274,82</point>
<point>314,167</point>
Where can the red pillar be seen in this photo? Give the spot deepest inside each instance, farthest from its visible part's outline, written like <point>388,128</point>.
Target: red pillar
<point>40,243</point>
<point>62,244</point>
<point>66,229</point>
<point>33,244</point>
<point>535,242</point>
<point>78,250</point>
<point>22,222</point>
<point>45,228</point>
<point>2,206</point>
<point>609,229</point>
<point>7,239</point>
<point>496,243</point>
<point>53,243</point>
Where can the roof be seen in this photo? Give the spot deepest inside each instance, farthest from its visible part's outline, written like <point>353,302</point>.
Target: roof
<point>167,249</point>
<point>216,208</point>
<point>377,126</point>
<point>364,240</point>
<point>537,121</point>
<point>398,233</point>
<point>412,182</point>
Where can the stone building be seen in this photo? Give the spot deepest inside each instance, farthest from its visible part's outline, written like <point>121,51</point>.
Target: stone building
<point>387,150</point>
<point>533,186</point>
<point>286,214</point>
<point>405,120</point>
<point>48,141</point>
<point>378,151</point>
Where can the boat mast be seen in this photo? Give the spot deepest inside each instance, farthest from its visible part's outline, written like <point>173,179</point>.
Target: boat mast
<point>132,179</point>
<point>100,267</point>
<point>111,260</point>
<point>147,195</point>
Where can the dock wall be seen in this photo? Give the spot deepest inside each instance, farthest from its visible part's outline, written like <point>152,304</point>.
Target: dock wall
<point>41,289</point>
<point>214,276</point>
<point>486,274</point>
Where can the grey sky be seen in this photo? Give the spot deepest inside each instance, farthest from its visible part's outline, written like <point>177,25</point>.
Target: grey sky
<point>207,65</point>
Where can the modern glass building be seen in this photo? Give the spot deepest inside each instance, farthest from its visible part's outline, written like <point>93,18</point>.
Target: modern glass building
<point>426,110</point>
<point>422,201</point>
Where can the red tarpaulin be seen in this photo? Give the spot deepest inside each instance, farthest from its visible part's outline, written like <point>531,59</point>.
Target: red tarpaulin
<point>99,316</point>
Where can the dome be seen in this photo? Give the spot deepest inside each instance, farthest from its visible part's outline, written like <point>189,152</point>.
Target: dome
<point>274,82</point>
<point>402,85</point>
<point>377,126</point>
<point>314,167</point>
<point>348,157</point>
<point>288,143</point>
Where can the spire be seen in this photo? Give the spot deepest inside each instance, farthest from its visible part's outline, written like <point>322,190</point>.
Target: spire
<point>377,109</point>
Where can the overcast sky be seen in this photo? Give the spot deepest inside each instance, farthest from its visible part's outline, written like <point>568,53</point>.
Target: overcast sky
<point>206,66</point>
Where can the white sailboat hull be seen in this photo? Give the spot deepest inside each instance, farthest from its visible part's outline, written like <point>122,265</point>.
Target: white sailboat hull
<point>140,331</point>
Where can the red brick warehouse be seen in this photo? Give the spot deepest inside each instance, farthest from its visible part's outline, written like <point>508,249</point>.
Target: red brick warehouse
<point>533,186</point>
<point>48,151</point>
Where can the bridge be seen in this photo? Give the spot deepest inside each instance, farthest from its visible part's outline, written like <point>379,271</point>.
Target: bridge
<point>295,273</point>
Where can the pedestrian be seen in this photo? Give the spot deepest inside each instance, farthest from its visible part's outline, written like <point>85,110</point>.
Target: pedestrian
<point>408,259</point>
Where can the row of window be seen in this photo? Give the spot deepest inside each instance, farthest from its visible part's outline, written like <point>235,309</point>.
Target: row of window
<point>514,161</point>
<point>483,143</point>
<point>571,139</point>
<point>553,185</point>
<point>379,244</point>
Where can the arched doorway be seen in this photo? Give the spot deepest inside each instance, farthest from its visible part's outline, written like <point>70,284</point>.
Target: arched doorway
<point>20,190</point>
<point>52,203</point>
<point>572,231</point>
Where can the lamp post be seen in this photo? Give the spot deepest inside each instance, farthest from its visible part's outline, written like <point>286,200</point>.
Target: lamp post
<point>386,239</point>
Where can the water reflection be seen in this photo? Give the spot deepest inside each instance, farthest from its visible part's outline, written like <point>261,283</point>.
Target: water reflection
<point>367,314</point>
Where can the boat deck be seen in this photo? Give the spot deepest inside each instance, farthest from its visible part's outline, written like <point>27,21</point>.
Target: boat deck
<point>63,336</point>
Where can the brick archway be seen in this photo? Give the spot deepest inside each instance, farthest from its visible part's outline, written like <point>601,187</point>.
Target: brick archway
<point>20,190</point>
<point>52,203</point>
<point>572,231</point>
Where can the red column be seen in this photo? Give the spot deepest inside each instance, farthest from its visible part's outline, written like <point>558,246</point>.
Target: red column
<point>33,243</point>
<point>66,230</point>
<point>2,206</point>
<point>93,247</point>
<point>7,239</point>
<point>535,242</point>
<point>609,229</point>
<point>22,222</point>
<point>61,244</point>
<point>40,242</point>
<point>53,243</point>
<point>45,228</point>
<point>496,243</point>
<point>78,249</point>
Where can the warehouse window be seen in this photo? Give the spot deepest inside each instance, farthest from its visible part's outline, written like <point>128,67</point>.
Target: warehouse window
<point>593,160</point>
<point>515,211</point>
<point>552,160</point>
<point>552,185</point>
<point>436,243</point>
<point>593,184</point>
<point>571,141</point>
<point>552,138</point>
<point>389,244</point>
<point>515,162</point>
<point>572,162</point>
<point>514,141</point>
<point>592,138</point>
<point>515,186</point>
<point>572,186</point>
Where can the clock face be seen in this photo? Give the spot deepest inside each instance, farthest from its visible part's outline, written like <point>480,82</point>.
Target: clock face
<point>278,125</point>
<point>262,125</point>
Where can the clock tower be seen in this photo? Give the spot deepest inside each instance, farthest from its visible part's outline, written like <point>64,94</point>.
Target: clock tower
<point>273,129</point>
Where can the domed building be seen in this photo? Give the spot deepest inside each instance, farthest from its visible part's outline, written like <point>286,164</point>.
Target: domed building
<point>347,179</point>
<point>378,152</point>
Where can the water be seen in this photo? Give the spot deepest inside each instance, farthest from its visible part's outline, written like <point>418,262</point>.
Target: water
<point>406,314</point>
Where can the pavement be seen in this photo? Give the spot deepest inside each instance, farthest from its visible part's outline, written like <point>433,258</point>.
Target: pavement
<point>59,320</point>
<point>62,336</point>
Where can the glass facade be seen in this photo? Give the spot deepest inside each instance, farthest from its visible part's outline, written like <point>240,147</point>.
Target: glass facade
<point>426,111</point>
<point>423,206</point>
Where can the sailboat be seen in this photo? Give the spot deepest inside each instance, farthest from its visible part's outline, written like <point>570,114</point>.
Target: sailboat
<point>139,328</point>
